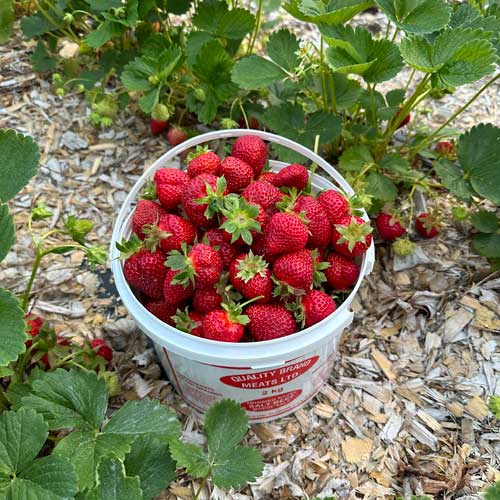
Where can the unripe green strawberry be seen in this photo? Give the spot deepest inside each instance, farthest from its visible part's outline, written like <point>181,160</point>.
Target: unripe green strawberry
<point>403,247</point>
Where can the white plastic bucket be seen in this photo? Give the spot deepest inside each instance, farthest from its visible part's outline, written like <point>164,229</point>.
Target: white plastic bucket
<point>270,379</point>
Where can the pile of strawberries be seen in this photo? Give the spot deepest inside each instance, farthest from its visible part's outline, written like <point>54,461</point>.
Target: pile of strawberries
<point>228,251</point>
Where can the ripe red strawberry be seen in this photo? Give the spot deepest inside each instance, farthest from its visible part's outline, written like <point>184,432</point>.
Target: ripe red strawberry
<point>251,276</point>
<point>203,187</point>
<point>389,226</point>
<point>318,225</point>
<point>169,233</point>
<point>202,265</point>
<point>269,321</point>
<point>102,349</point>
<point>295,269</point>
<point>242,220</point>
<point>259,247</point>
<point>351,236</point>
<point>146,212</point>
<point>162,310</point>
<point>158,126</point>
<point>203,162</point>
<point>170,184</point>
<point>252,123</point>
<point>238,174</point>
<point>34,324</point>
<point>252,150</point>
<point>176,135</point>
<point>146,272</point>
<point>316,306</point>
<point>173,292</point>
<point>189,322</point>
<point>268,177</point>
<point>219,240</point>
<point>262,193</point>
<point>292,176</point>
<point>335,205</point>
<point>342,273</point>
<point>427,225</point>
<point>206,299</point>
<point>285,233</point>
<point>226,324</point>
<point>445,148</point>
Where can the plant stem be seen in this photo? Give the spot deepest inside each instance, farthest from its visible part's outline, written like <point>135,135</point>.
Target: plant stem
<point>431,137</point>
<point>332,91</point>
<point>395,34</point>
<point>322,73</point>
<point>412,74</point>
<point>36,265</point>
<point>256,28</point>
<point>388,29</point>
<point>202,485</point>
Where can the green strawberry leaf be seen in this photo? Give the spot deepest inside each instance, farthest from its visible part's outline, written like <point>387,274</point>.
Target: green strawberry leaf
<point>283,48</point>
<point>255,72</point>
<point>485,221</point>
<point>178,7</point>
<point>104,33</point>
<point>22,435</point>
<point>142,418</point>
<point>356,51</point>
<point>353,159</point>
<point>69,399</point>
<point>6,19</point>
<point>478,152</point>
<point>114,484</point>
<point>333,12</point>
<point>191,457</point>
<point>194,42</point>
<point>104,4</point>
<point>20,157</point>
<point>380,187</point>
<point>452,176</point>
<point>487,245</point>
<point>468,16</point>
<point>150,460</point>
<point>7,230</point>
<point>417,16</point>
<point>346,91</point>
<point>456,57</point>
<point>215,18</point>
<point>12,328</point>
<point>86,449</point>
<point>37,25</point>
<point>492,492</point>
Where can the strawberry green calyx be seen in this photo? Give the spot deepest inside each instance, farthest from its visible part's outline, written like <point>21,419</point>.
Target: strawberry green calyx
<point>214,199</point>
<point>403,247</point>
<point>494,405</point>
<point>295,307</point>
<point>153,236</point>
<point>318,266</point>
<point>180,261</point>
<point>353,233</point>
<point>288,202</point>
<point>149,192</point>
<point>235,311</point>
<point>200,150</point>
<point>251,266</point>
<point>285,291</point>
<point>129,247</point>
<point>184,322</point>
<point>240,218</point>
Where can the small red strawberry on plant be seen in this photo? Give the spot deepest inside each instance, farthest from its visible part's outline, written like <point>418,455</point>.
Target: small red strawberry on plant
<point>203,161</point>
<point>226,324</point>
<point>237,173</point>
<point>295,272</point>
<point>351,236</point>
<point>335,205</point>
<point>316,306</point>
<point>157,126</point>
<point>173,292</point>
<point>292,176</point>
<point>389,226</point>
<point>445,148</point>
<point>428,225</point>
<point>170,185</point>
<point>250,275</point>
<point>252,150</point>
<point>202,265</point>
<point>176,135</point>
<point>162,310</point>
<point>270,321</point>
<point>102,349</point>
<point>189,322</point>
<point>146,212</point>
<point>285,233</point>
<point>405,120</point>
<point>34,324</point>
<point>252,123</point>
<point>169,233</point>
<point>203,198</point>
<point>159,119</point>
<point>342,273</point>
<point>242,220</point>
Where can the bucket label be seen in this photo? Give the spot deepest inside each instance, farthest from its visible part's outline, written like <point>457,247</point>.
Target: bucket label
<point>269,378</point>
<point>271,402</point>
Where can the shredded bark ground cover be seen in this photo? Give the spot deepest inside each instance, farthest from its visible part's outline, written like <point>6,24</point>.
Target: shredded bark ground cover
<point>405,408</point>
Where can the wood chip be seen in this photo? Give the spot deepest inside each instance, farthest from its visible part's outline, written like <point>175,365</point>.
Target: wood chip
<point>384,364</point>
<point>477,407</point>
<point>357,450</point>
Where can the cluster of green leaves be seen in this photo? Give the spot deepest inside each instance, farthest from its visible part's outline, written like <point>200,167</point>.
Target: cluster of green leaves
<point>475,179</point>
<point>130,456</point>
